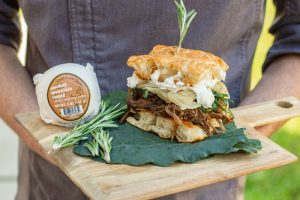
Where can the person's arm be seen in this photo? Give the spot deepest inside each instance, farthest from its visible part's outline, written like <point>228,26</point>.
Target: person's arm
<point>281,71</point>
<point>17,95</point>
<point>16,86</point>
<point>281,79</point>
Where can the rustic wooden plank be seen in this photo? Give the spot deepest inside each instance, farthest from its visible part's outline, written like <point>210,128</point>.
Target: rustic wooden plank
<point>102,181</point>
<point>267,112</point>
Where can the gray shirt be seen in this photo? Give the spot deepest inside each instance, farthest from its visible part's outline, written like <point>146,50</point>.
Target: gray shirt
<point>105,33</point>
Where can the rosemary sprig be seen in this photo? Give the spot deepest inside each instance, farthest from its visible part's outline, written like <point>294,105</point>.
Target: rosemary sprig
<point>93,147</point>
<point>68,139</point>
<point>105,142</point>
<point>184,20</point>
<point>102,143</point>
<point>104,119</point>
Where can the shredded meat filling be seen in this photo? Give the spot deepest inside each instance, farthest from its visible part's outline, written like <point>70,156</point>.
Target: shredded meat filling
<point>139,101</point>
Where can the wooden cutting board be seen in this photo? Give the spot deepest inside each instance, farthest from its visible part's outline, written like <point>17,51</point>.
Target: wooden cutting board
<point>103,181</point>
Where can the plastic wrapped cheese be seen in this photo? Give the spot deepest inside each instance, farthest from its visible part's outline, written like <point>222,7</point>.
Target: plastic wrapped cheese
<point>68,94</point>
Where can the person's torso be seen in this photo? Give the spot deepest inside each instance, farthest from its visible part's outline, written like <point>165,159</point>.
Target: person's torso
<point>106,32</point>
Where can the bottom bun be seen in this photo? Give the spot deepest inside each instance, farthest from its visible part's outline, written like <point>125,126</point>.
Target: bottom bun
<point>166,127</point>
<point>188,132</point>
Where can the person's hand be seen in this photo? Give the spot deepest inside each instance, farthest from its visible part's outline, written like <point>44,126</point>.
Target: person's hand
<point>281,79</point>
<point>19,96</point>
<point>268,129</point>
<point>49,158</point>
<point>33,144</point>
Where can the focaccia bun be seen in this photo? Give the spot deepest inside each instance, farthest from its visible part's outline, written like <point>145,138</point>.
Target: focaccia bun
<point>166,127</point>
<point>147,121</point>
<point>188,132</point>
<point>192,64</point>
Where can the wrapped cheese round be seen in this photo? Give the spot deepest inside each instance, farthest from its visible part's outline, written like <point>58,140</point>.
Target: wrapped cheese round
<point>68,94</point>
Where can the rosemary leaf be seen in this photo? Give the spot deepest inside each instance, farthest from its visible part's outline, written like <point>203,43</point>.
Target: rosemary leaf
<point>184,20</point>
<point>105,142</point>
<point>104,119</point>
<point>93,147</point>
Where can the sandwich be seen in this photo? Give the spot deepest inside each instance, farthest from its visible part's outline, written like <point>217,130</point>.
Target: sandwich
<point>178,93</point>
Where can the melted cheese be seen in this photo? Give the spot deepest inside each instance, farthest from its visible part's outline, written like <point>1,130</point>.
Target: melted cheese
<point>203,90</point>
<point>133,81</point>
<point>222,74</point>
<point>204,94</point>
<point>155,76</point>
<point>168,82</point>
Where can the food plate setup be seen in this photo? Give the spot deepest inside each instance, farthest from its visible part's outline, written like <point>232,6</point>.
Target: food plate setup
<point>119,181</point>
<point>171,131</point>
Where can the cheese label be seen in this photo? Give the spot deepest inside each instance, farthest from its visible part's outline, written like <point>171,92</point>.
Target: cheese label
<point>68,96</point>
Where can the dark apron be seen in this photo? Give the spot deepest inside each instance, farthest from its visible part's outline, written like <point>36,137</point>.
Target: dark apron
<point>105,33</point>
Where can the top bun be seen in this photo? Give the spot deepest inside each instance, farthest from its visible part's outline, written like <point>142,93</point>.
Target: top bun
<point>192,64</point>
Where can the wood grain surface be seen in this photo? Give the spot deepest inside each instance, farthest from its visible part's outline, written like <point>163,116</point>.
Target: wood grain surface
<point>267,112</point>
<point>103,181</point>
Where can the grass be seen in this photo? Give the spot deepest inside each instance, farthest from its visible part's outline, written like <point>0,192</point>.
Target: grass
<point>281,183</point>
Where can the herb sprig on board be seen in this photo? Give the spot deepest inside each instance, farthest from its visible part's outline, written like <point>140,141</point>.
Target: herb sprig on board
<point>101,144</point>
<point>184,20</point>
<point>104,119</point>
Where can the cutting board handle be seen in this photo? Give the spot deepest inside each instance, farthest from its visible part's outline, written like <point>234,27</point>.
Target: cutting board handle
<point>268,112</point>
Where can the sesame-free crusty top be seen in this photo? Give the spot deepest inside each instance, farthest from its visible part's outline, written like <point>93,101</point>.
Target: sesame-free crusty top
<point>170,60</point>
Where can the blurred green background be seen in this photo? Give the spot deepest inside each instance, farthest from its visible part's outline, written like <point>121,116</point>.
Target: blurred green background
<point>281,183</point>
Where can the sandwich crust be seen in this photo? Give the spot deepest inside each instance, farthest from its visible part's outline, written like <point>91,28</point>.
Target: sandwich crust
<point>167,128</point>
<point>192,64</point>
